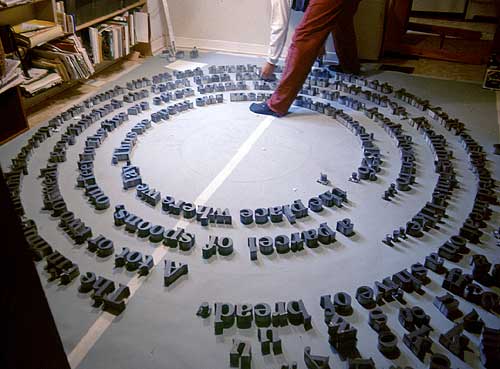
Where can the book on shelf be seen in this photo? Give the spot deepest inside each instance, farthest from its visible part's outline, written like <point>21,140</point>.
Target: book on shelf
<point>141,27</point>
<point>110,40</point>
<point>66,57</point>
<point>32,25</point>
<point>89,10</point>
<point>66,21</point>
<point>36,32</point>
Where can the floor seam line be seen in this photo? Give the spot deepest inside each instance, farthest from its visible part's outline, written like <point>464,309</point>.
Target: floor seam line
<point>105,319</point>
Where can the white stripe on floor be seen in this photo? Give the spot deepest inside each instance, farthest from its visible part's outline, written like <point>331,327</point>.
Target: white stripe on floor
<point>105,319</point>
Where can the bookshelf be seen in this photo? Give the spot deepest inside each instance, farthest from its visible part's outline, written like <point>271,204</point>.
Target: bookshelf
<point>38,99</point>
<point>47,10</point>
<point>11,101</point>
<point>36,9</point>
<point>12,107</point>
<point>109,16</point>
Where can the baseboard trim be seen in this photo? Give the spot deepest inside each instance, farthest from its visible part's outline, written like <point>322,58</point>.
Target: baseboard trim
<point>222,45</point>
<point>237,47</point>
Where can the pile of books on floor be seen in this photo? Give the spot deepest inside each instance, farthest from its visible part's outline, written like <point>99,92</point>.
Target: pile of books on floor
<point>113,39</point>
<point>39,80</point>
<point>12,76</point>
<point>36,32</point>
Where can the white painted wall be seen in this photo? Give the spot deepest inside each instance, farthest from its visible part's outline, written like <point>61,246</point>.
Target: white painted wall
<point>243,25</point>
<point>158,29</point>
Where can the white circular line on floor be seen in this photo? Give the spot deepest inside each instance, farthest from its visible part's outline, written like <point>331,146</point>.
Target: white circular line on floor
<point>105,319</point>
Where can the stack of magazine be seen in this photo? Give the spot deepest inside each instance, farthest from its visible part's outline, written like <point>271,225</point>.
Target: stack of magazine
<point>39,80</point>
<point>65,56</point>
<point>12,76</point>
<point>36,32</point>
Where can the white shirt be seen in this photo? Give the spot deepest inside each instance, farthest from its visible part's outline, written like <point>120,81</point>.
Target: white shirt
<point>280,17</point>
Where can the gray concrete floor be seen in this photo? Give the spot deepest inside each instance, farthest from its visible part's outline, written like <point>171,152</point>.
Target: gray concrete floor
<point>181,157</point>
<point>421,67</point>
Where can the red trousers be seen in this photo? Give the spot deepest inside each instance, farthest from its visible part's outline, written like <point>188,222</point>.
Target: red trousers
<point>320,18</point>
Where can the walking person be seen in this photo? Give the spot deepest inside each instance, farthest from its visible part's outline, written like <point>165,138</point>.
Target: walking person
<point>321,18</point>
<point>281,11</point>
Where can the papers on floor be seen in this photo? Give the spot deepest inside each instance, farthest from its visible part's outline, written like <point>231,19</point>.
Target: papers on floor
<point>182,65</point>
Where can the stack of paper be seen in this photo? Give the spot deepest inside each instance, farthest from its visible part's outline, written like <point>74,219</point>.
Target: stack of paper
<point>65,56</point>
<point>40,80</point>
<point>13,75</point>
<point>36,32</point>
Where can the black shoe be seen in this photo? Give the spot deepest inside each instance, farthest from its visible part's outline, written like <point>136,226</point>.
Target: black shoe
<point>263,109</point>
<point>271,78</point>
<point>335,68</point>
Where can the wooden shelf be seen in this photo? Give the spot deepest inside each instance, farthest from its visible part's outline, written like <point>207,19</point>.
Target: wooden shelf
<point>110,15</point>
<point>108,63</point>
<point>41,9</point>
<point>23,4</point>
<point>38,9</point>
<point>33,101</point>
<point>12,108</point>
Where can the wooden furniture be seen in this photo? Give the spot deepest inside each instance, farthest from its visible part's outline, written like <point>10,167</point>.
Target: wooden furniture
<point>37,9</point>
<point>30,103</point>
<point>14,120</point>
<point>46,10</point>
<point>434,42</point>
<point>33,340</point>
<point>480,8</point>
<point>110,15</point>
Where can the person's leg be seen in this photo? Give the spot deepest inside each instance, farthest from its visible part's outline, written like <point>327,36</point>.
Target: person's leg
<point>307,40</point>
<point>344,38</point>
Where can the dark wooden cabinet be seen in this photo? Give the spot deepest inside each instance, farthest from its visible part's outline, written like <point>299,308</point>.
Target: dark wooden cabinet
<point>12,117</point>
